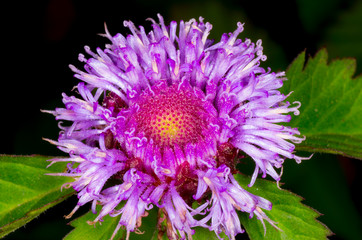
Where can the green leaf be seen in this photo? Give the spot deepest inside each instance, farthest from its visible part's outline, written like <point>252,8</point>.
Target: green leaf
<point>330,115</point>
<point>97,232</point>
<point>148,229</point>
<point>26,191</point>
<point>105,230</point>
<point>296,220</point>
<point>205,234</point>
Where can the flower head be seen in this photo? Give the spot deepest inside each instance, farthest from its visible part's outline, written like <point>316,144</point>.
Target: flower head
<point>166,115</point>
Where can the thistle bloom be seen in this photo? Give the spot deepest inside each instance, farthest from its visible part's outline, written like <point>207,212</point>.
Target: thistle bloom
<point>164,116</point>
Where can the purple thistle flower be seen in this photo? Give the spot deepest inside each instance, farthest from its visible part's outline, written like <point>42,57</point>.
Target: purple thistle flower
<point>165,115</point>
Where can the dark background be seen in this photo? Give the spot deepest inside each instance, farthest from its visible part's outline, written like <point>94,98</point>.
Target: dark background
<point>43,37</point>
